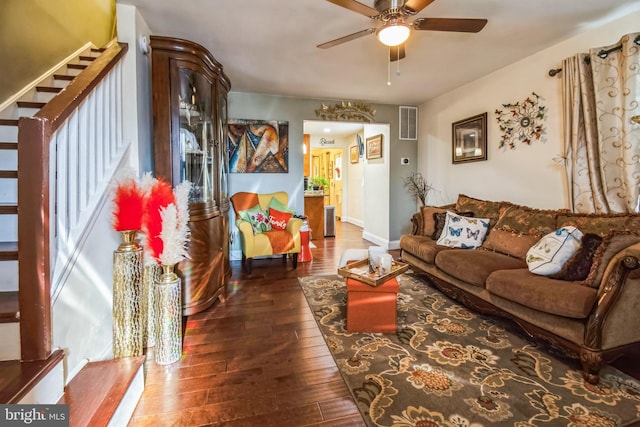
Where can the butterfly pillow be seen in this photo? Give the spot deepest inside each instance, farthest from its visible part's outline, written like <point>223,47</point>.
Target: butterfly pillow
<point>463,232</point>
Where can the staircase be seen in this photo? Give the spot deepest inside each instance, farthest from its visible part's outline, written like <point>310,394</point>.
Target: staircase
<point>30,370</point>
<point>28,104</point>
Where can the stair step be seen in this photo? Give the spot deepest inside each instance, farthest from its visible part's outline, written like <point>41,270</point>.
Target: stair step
<point>30,104</point>
<point>8,251</point>
<point>87,58</point>
<point>90,405</point>
<point>98,49</point>
<point>8,145</point>
<point>18,378</point>
<point>63,77</point>
<point>8,209</point>
<point>8,122</point>
<point>9,307</point>
<point>76,66</point>
<point>8,174</point>
<point>49,89</point>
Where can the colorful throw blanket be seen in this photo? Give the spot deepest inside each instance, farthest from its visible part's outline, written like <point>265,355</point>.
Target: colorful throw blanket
<point>281,240</point>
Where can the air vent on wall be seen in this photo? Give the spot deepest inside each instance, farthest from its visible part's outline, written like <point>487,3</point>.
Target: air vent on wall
<point>408,123</point>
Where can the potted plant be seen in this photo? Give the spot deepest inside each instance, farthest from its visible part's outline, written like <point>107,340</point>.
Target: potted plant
<point>319,182</point>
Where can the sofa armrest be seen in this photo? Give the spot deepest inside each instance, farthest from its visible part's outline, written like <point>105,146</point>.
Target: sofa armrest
<point>614,320</point>
<point>246,235</point>
<point>293,227</point>
<point>417,224</point>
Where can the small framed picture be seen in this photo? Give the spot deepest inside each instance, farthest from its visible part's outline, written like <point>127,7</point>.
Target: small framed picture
<point>469,139</point>
<point>374,147</point>
<point>354,154</point>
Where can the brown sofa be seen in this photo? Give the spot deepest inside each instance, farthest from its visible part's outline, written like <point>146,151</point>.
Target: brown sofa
<point>594,318</point>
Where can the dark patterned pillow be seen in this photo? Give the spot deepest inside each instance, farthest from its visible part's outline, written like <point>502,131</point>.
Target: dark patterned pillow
<point>579,264</point>
<point>439,220</point>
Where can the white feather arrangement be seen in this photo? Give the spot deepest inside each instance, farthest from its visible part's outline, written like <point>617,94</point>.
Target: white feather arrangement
<point>181,192</point>
<point>174,238</point>
<point>175,226</point>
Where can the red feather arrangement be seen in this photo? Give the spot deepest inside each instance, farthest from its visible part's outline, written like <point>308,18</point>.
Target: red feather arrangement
<point>160,196</point>
<point>128,203</point>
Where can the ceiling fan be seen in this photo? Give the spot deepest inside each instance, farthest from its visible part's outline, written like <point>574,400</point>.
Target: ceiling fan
<point>394,31</point>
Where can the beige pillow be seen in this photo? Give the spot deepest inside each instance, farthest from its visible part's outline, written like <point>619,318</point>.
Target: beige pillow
<point>509,243</point>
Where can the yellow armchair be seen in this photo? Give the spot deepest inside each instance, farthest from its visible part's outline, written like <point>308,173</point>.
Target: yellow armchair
<point>258,240</point>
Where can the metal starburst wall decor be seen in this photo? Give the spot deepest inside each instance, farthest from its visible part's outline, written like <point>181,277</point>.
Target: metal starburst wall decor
<point>521,122</point>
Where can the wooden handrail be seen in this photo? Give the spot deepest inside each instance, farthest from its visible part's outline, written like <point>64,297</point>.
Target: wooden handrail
<point>34,263</point>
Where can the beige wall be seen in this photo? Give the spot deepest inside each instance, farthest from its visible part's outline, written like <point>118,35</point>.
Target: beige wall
<point>37,34</point>
<point>528,174</point>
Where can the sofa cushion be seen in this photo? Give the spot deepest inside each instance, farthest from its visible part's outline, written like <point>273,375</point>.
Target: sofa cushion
<point>542,293</point>
<point>473,266</point>
<point>600,224</point>
<point>480,208</point>
<point>463,232</point>
<point>439,219</point>
<point>578,266</point>
<point>422,247</point>
<point>428,224</point>
<point>553,250</point>
<point>525,220</point>
<point>278,219</point>
<point>509,243</point>
<point>258,219</point>
<point>276,204</point>
<point>611,245</point>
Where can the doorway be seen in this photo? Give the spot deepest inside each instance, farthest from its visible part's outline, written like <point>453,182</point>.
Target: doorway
<point>327,163</point>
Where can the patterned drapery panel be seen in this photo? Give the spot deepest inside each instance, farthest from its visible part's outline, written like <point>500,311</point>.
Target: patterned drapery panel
<point>602,143</point>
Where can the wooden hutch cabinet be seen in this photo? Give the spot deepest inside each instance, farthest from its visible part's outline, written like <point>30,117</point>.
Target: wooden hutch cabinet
<point>189,144</point>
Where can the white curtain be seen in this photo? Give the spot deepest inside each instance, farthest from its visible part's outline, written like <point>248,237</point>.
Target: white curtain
<point>602,141</point>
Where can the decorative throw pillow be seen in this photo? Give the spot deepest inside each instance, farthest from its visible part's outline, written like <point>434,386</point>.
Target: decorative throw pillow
<point>278,219</point>
<point>463,232</point>
<point>428,219</point>
<point>439,219</point>
<point>276,204</point>
<point>552,251</point>
<point>578,266</point>
<point>258,219</point>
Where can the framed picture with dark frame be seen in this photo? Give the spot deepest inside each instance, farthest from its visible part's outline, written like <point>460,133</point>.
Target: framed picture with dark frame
<point>374,147</point>
<point>354,154</point>
<point>469,139</point>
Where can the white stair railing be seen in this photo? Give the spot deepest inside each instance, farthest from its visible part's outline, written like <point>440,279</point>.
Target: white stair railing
<point>85,151</point>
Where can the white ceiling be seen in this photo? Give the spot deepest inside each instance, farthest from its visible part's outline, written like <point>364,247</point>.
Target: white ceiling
<point>269,46</point>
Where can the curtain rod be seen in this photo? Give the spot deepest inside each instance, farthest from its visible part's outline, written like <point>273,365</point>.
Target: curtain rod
<point>602,54</point>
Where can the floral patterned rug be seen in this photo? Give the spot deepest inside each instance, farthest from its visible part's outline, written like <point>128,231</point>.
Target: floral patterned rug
<point>449,366</point>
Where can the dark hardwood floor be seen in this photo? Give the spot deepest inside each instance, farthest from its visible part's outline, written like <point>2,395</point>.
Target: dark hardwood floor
<point>259,359</point>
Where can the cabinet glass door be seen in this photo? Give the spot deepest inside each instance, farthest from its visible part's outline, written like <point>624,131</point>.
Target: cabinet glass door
<point>197,150</point>
<point>224,148</point>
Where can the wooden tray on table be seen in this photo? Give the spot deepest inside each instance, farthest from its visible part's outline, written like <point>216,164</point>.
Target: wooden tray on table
<point>360,271</point>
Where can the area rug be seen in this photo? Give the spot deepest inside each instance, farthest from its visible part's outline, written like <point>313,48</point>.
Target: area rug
<point>449,366</point>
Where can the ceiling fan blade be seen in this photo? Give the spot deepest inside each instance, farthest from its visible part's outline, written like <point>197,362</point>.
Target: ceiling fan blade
<point>450,24</point>
<point>346,38</point>
<point>355,6</point>
<point>397,52</point>
<point>411,7</point>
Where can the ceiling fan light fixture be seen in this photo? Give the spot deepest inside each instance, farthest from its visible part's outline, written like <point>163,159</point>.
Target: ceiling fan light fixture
<point>394,33</point>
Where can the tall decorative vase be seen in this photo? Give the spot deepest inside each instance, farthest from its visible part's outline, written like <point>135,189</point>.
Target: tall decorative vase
<point>127,285</point>
<point>168,302</point>
<point>150,277</point>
